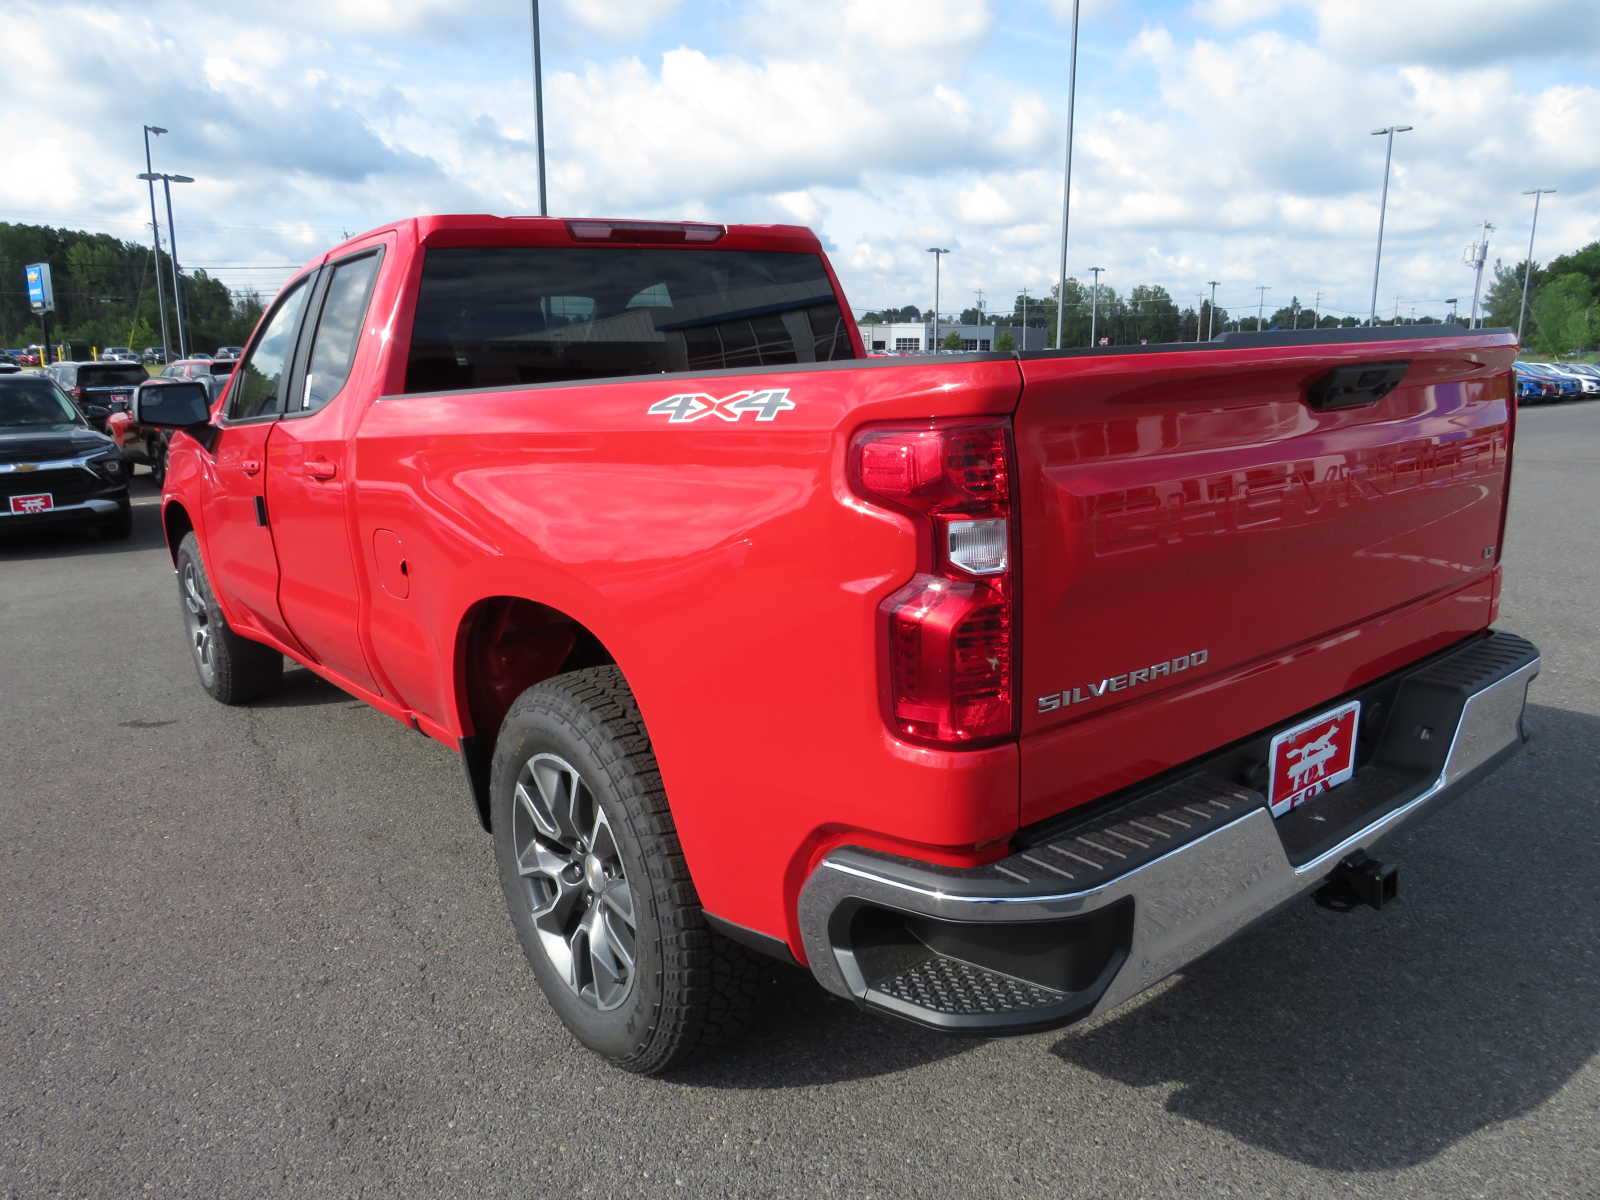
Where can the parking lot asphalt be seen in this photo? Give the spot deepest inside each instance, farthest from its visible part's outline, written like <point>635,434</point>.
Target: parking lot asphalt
<point>261,952</point>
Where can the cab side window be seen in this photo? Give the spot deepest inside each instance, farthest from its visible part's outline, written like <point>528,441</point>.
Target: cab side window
<point>256,392</point>
<point>333,348</point>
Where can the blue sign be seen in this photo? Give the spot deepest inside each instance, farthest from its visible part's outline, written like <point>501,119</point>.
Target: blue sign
<point>41,295</point>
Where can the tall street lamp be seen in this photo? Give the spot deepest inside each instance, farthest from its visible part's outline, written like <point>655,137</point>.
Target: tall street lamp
<point>1094,307</point>
<point>1261,305</point>
<point>1211,321</point>
<point>538,110</point>
<point>1527,270</point>
<point>1066,183</point>
<point>172,242</point>
<point>1383,208</point>
<point>155,230</point>
<point>938,253</point>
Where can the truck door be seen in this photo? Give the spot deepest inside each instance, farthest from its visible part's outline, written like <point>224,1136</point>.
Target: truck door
<point>308,476</point>
<point>243,563</point>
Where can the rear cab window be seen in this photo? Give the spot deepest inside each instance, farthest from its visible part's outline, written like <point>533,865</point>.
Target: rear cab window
<point>507,315</point>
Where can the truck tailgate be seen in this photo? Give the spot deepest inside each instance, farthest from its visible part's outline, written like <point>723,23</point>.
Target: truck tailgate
<point>1210,545</point>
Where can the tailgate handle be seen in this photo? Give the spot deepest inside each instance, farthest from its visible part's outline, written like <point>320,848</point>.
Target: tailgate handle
<point>1355,386</point>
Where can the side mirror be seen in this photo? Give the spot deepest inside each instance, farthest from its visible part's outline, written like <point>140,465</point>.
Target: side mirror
<point>172,404</point>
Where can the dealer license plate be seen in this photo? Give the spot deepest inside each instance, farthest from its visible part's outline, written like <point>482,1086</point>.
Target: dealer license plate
<point>1312,757</point>
<point>37,503</point>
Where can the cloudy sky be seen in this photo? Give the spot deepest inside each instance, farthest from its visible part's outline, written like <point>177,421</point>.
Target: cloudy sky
<point>1218,139</point>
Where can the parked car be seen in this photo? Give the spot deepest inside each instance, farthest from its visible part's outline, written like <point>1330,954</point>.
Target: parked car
<point>228,352</point>
<point>153,355</point>
<point>200,368</point>
<point>53,467</point>
<point>118,354</point>
<point>1587,385</point>
<point>98,388</point>
<point>1566,385</point>
<point>992,688</point>
<point>201,356</point>
<point>1535,389</point>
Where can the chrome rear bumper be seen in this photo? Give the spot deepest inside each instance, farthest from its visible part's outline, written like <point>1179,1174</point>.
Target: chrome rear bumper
<point>1091,916</point>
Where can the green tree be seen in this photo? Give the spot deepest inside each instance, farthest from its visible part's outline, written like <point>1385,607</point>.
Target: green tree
<point>1565,311</point>
<point>952,341</point>
<point>1005,342</point>
<point>1502,300</point>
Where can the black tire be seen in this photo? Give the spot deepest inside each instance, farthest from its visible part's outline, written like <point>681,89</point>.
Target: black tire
<point>117,527</point>
<point>687,988</point>
<point>232,669</point>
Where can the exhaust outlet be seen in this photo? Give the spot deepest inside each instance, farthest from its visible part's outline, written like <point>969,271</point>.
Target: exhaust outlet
<point>1359,880</point>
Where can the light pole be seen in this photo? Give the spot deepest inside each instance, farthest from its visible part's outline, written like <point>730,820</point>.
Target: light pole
<point>1316,310</point>
<point>938,253</point>
<point>1383,208</point>
<point>155,229</point>
<point>538,110</point>
<point>1453,316</point>
<point>1066,183</point>
<point>1094,309</point>
<point>172,243</point>
<point>1475,256</point>
<point>1527,270</point>
<point>1211,320</point>
<point>1261,304</point>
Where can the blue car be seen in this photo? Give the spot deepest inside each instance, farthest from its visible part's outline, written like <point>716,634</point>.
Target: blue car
<point>1532,389</point>
<point>1566,385</point>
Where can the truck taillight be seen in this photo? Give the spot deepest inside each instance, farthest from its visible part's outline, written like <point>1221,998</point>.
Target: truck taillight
<point>949,633</point>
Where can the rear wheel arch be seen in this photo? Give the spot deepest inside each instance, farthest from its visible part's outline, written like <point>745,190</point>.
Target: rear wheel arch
<point>505,645</point>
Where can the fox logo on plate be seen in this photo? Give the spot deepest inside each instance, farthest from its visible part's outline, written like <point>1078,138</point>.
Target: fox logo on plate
<point>691,406</point>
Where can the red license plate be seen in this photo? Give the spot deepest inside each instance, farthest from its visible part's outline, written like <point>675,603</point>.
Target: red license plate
<point>37,503</point>
<point>1312,757</point>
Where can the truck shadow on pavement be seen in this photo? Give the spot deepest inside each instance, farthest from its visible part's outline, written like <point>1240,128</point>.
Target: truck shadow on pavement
<point>804,1036</point>
<point>1375,1041</point>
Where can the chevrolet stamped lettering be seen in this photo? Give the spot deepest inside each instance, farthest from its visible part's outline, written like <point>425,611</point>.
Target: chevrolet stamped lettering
<point>1118,683</point>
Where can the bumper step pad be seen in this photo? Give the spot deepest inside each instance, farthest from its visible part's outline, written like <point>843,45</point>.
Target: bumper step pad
<point>962,989</point>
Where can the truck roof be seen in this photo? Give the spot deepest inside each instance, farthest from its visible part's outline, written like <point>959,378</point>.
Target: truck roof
<point>483,229</point>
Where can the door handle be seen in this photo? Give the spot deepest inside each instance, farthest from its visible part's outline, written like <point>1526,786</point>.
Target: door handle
<point>321,468</point>
<point>251,466</point>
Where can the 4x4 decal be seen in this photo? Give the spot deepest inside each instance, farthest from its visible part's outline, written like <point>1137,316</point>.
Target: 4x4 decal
<point>691,406</point>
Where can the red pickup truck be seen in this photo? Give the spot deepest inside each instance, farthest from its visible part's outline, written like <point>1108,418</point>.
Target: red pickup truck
<point>993,688</point>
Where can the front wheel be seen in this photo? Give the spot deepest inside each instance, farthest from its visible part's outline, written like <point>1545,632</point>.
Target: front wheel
<point>596,883</point>
<point>233,669</point>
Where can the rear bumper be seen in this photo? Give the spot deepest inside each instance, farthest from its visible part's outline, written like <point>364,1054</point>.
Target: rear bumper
<point>1094,911</point>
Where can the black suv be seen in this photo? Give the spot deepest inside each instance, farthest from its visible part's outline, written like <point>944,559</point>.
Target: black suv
<point>98,388</point>
<point>53,467</point>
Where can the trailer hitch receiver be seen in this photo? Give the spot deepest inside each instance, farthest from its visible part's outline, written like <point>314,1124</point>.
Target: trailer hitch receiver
<point>1359,880</point>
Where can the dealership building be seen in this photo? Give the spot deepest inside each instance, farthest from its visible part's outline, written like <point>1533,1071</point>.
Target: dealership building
<point>917,337</point>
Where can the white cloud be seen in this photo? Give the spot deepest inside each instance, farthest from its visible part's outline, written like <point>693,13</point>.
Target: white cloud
<point>1230,14</point>
<point>618,19</point>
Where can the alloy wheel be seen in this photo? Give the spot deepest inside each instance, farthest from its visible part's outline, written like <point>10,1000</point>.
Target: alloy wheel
<point>575,886</point>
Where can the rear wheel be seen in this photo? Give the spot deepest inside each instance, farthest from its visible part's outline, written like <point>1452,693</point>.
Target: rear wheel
<point>233,669</point>
<point>596,883</point>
